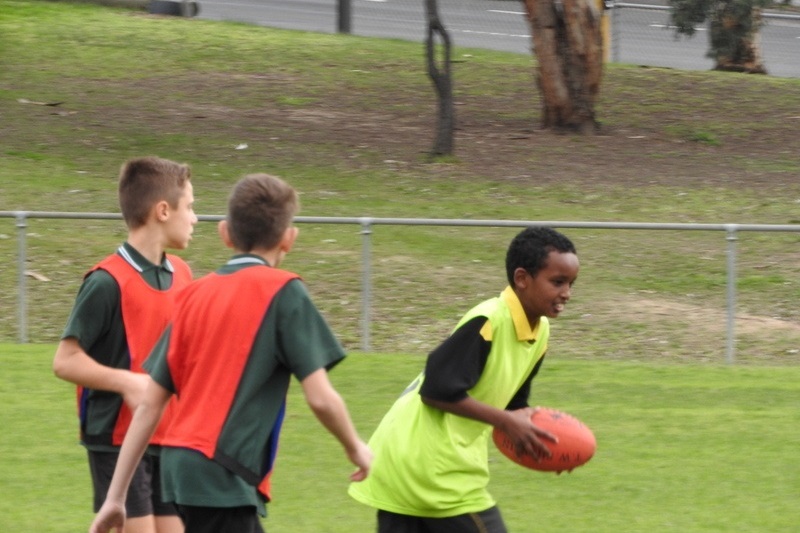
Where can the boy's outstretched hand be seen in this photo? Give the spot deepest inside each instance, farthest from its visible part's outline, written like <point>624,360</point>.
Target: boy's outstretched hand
<point>110,517</point>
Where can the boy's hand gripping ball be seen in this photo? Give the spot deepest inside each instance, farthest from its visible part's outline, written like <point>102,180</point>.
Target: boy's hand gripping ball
<point>576,442</point>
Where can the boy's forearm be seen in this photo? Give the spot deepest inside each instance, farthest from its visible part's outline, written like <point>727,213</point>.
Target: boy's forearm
<point>144,423</point>
<point>471,408</point>
<point>336,419</point>
<point>72,364</point>
<point>330,409</point>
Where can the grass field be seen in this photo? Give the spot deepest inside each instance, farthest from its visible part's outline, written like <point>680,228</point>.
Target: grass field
<point>685,443</point>
<point>681,448</point>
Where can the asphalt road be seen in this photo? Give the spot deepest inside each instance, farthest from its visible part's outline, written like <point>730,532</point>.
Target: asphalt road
<point>640,36</point>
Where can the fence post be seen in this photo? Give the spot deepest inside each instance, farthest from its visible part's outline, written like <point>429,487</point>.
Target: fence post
<point>605,28</point>
<point>21,223</point>
<point>366,282</point>
<point>344,19</point>
<point>615,34</point>
<point>731,237</point>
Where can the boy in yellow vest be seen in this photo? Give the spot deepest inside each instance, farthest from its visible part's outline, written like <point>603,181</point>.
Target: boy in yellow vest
<point>431,469</point>
<point>238,336</point>
<point>122,307</point>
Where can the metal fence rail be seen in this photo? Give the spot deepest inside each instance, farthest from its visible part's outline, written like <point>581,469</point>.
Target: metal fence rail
<point>731,232</point>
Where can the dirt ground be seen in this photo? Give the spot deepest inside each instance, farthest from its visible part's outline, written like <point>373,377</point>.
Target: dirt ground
<point>499,138</point>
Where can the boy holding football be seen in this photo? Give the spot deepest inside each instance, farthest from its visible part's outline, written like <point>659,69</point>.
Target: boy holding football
<point>238,336</point>
<point>431,449</point>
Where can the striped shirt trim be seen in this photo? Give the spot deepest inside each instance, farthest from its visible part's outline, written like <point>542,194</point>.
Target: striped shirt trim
<point>247,261</point>
<point>123,252</point>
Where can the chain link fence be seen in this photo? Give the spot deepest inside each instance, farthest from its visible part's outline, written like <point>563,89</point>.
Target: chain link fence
<point>375,282</point>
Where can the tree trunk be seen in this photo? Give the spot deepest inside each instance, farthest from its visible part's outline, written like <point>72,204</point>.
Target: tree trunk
<point>442,80</point>
<point>735,38</point>
<point>568,44</point>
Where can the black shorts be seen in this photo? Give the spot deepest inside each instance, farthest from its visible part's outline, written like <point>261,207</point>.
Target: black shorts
<point>488,521</point>
<point>144,494</point>
<point>220,519</point>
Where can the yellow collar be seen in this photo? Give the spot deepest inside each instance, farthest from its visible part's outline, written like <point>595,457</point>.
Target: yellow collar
<point>521,324</point>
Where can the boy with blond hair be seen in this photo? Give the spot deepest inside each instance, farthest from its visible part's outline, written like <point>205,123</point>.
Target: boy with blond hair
<point>122,307</point>
<point>237,337</point>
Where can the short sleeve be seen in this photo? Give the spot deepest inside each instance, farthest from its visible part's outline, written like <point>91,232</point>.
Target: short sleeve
<point>305,342</point>
<point>156,363</point>
<point>456,365</point>
<point>96,309</point>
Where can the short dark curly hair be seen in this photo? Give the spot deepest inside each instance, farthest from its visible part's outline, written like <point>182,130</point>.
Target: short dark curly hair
<point>529,249</point>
